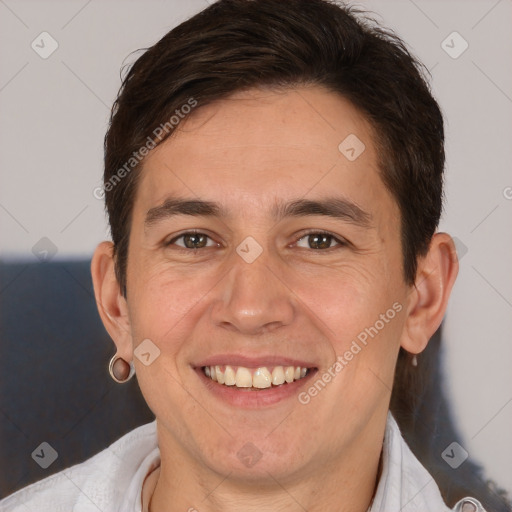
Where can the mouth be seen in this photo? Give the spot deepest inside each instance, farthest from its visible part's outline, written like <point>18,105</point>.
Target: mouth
<point>255,379</point>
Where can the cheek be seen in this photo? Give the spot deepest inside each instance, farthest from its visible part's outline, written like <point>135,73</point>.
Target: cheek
<point>166,309</point>
<point>164,306</point>
<point>359,309</point>
<point>343,296</point>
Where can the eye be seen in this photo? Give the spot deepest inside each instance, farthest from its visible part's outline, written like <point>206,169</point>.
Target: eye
<point>319,240</point>
<point>192,240</point>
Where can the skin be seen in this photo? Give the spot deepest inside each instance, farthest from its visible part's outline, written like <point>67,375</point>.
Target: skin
<point>246,153</point>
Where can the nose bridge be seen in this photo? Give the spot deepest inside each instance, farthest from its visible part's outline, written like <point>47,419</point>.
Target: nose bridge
<point>253,297</point>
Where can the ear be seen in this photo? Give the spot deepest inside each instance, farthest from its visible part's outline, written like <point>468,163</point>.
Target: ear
<point>435,277</point>
<point>111,303</point>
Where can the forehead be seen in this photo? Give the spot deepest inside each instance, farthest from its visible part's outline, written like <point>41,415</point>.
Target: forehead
<point>258,145</point>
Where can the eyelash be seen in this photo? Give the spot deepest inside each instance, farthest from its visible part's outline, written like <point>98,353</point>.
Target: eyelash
<point>341,242</point>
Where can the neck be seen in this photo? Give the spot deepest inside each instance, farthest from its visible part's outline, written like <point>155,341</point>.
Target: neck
<point>343,486</point>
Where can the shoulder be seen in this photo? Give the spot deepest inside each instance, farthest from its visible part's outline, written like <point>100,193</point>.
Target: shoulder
<point>99,482</point>
<point>405,483</point>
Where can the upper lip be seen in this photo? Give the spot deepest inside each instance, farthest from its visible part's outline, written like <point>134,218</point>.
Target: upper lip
<point>254,361</point>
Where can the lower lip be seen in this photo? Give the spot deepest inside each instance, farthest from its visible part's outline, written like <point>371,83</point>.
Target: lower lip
<point>249,398</point>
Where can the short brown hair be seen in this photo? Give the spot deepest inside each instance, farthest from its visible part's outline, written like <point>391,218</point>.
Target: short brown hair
<point>239,44</point>
<point>235,45</point>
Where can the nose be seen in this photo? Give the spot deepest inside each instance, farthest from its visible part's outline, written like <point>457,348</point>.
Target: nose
<point>253,298</point>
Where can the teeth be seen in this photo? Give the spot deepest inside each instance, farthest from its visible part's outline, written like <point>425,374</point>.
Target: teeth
<point>243,378</point>
<point>278,376</point>
<point>259,378</point>
<point>262,378</point>
<point>229,376</point>
<point>289,373</point>
<point>220,375</point>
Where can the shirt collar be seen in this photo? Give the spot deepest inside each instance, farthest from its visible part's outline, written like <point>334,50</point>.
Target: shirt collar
<point>404,484</point>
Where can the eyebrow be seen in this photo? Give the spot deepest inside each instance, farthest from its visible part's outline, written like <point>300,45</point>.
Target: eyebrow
<point>176,206</point>
<point>339,208</point>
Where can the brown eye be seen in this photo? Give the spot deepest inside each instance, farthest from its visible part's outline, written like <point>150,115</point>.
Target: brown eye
<point>191,241</point>
<point>318,241</point>
<point>195,241</point>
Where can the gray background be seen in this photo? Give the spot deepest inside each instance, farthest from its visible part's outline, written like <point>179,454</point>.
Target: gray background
<point>54,115</point>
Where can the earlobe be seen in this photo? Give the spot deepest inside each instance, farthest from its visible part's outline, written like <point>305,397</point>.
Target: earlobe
<point>111,304</point>
<point>435,277</point>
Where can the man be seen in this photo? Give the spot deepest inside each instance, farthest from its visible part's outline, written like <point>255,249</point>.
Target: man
<point>273,179</point>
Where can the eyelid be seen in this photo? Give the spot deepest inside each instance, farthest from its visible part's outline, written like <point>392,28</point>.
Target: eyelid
<point>172,241</point>
<point>342,242</point>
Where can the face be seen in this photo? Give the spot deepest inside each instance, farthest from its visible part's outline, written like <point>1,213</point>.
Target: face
<point>288,256</point>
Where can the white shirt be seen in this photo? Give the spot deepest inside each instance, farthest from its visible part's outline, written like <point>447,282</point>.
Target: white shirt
<point>112,480</point>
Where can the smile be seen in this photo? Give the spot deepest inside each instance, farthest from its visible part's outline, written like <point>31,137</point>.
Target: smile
<point>254,378</point>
